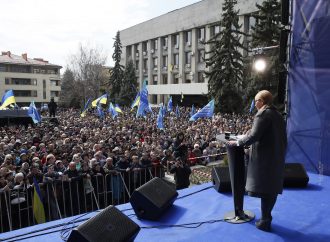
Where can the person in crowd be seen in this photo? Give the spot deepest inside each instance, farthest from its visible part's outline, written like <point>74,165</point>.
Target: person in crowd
<point>52,106</point>
<point>266,165</point>
<point>181,173</point>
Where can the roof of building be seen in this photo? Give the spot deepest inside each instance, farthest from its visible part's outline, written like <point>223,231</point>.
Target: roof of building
<point>7,57</point>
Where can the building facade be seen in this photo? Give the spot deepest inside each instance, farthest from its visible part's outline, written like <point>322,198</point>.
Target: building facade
<point>30,79</point>
<point>168,50</point>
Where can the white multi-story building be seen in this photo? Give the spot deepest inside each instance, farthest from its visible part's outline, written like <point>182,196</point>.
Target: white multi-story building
<point>168,52</point>
<point>30,79</point>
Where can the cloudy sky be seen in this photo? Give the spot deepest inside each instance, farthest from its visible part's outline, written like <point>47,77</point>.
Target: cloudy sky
<point>54,29</point>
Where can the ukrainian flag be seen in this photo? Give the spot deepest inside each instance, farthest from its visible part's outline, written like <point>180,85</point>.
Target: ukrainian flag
<point>7,99</point>
<point>83,113</point>
<point>118,109</point>
<point>103,99</point>
<point>136,101</point>
<point>38,206</point>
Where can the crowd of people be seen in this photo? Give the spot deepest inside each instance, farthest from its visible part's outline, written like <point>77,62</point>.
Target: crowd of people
<point>76,145</point>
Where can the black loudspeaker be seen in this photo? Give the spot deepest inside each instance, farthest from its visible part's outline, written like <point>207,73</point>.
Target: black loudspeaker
<point>284,35</point>
<point>152,199</point>
<point>110,225</point>
<point>281,86</point>
<point>285,5</point>
<point>221,179</point>
<point>295,175</point>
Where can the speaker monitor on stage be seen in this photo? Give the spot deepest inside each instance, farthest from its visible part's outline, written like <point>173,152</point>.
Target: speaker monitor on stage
<point>295,175</point>
<point>110,225</point>
<point>221,179</point>
<point>152,199</point>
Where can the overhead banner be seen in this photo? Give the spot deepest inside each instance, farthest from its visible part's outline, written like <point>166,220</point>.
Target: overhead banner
<point>308,123</point>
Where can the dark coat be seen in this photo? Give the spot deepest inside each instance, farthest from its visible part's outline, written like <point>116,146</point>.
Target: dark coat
<point>267,155</point>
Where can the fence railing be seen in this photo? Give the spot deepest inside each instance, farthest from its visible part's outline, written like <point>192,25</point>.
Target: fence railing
<point>67,198</point>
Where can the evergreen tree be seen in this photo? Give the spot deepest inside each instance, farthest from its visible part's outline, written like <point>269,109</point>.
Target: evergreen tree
<point>225,62</point>
<point>68,88</point>
<point>116,74</point>
<point>129,85</point>
<point>265,33</point>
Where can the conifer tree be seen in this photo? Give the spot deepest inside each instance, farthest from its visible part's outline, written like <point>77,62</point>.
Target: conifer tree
<point>116,73</point>
<point>129,85</point>
<point>225,61</point>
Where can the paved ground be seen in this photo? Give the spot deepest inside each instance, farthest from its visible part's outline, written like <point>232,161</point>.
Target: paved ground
<point>200,174</point>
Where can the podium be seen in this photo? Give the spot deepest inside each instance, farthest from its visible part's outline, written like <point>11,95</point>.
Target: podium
<point>237,178</point>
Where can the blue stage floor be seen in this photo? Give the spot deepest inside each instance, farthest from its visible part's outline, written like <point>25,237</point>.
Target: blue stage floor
<point>299,215</point>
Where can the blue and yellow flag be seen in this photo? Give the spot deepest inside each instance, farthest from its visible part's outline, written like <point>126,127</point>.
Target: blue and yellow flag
<point>7,99</point>
<point>33,113</point>
<point>38,206</point>
<point>205,112</point>
<point>103,100</point>
<point>136,101</point>
<point>87,104</point>
<point>112,110</point>
<point>100,112</point>
<point>118,109</point>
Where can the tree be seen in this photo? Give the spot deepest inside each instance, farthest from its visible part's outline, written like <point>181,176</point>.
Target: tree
<point>87,66</point>
<point>265,33</point>
<point>68,90</point>
<point>225,61</point>
<point>129,85</point>
<point>116,74</point>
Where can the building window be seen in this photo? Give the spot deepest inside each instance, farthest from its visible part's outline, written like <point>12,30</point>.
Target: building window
<point>145,65</point>
<point>215,30</point>
<point>36,70</point>
<point>155,61</point>
<point>144,48</point>
<point>176,59</point>
<point>44,94</point>
<point>165,81</point>
<point>188,78</point>
<point>155,80</point>
<point>34,82</point>
<point>165,61</point>
<point>188,58</point>
<point>2,68</point>
<point>7,81</point>
<point>165,42</point>
<point>54,93</point>
<point>155,44</point>
<point>25,93</point>
<point>176,39</point>
<point>201,34</point>
<point>188,38</point>
<point>175,79</point>
<point>201,56</point>
<point>201,77</point>
<point>154,99</point>
<point>129,52</point>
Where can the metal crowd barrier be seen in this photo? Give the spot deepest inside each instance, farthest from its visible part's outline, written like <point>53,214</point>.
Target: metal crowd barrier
<point>67,198</point>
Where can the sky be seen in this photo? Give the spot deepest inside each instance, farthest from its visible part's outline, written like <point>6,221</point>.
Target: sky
<point>54,29</point>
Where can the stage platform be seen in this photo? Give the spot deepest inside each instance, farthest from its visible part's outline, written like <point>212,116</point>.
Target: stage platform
<point>300,215</point>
